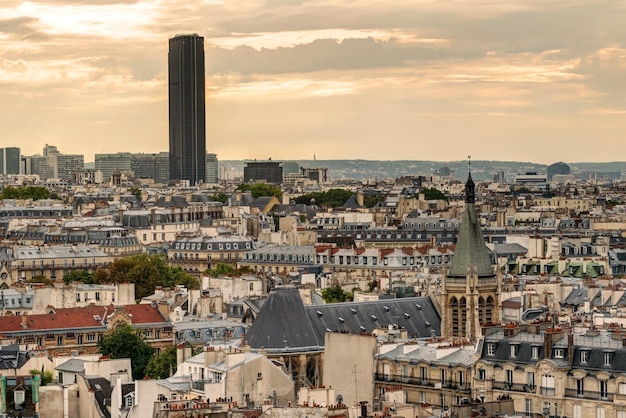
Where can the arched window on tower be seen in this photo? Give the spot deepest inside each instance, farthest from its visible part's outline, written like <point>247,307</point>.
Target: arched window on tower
<point>489,309</point>
<point>454,310</point>
<point>481,310</point>
<point>463,318</point>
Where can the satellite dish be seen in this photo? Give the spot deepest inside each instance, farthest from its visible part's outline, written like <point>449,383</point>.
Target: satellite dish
<point>339,398</point>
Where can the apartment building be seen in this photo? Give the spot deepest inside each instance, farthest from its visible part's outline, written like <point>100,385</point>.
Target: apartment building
<point>60,332</point>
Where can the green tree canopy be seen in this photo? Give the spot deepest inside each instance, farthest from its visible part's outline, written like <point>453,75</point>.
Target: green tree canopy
<point>219,197</point>
<point>331,198</point>
<point>431,193</point>
<point>223,269</point>
<point>146,272</point>
<point>162,365</point>
<point>78,276</point>
<point>135,192</point>
<point>335,294</point>
<point>26,192</point>
<point>260,189</point>
<point>125,342</point>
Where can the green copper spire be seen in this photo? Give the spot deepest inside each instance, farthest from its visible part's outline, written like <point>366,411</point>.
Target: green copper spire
<point>471,251</point>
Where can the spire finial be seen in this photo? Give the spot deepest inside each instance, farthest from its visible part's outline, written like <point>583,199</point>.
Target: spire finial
<point>469,163</point>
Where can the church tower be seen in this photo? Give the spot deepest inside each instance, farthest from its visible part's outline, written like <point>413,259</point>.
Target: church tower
<point>471,287</point>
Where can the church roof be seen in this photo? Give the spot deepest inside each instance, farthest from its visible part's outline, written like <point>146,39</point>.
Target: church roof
<point>285,324</point>
<point>471,251</point>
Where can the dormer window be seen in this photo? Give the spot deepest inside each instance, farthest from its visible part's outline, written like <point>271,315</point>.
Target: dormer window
<point>514,350</point>
<point>559,353</point>
<point>608,358</point>
<point>584,356</point>
<point>491,349</point>
<point>534,352</point>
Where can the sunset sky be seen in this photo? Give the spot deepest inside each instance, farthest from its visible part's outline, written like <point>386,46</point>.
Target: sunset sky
<point>540,81</point>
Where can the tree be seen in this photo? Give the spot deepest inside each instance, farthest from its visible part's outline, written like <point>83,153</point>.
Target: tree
<point>46,376</point>
<point>260,189</point>
<point>162,365</point>
<point>219,197</point>
<point>135,192</point>
<point>335,294</point>
<point>78,276</point>
<point>146,272</point>
<point>331,198</point>
<point>125,342</point>
<point>431,193</point>
<point>25,192</point>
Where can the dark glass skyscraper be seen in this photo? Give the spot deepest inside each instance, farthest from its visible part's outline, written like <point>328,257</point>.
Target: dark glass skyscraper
<point>186,100</point>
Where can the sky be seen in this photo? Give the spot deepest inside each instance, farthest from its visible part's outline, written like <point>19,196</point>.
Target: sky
<point>526,80</point>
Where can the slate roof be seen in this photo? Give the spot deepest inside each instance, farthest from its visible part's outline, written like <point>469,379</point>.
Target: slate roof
<point>102,392</point>
<point>12,359</point>
<point>463,356</point>
<point>470,250</point>
<point>73,365</point>
<point>285,324</point>
<point>351,203</point>
<point>596,344</point>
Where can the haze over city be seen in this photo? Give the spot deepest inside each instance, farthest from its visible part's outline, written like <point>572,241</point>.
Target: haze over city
<point>516,80</point>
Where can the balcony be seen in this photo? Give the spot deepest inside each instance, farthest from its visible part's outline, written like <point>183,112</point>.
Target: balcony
<point>515,387</point>
<point>547,391</point>
<point>419,381</point>
<point>589,394</point>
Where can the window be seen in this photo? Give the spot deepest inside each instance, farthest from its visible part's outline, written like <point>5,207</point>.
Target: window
<point>97,295</point>
<point>608,357</point>
<point>509,376</point>
<point>514,350</point>
<point>79,339</point>
<point>577,411</point>
<point>423,374</point>
<point>528,406</point>
<point>482,375</point>
<point>251,287</point>
<point>559,353</point>
<point>604,389</point>
<point>217,376</point>
<point>59,340</point>
<point>91,337</point>
<point>580,387</point>
<point>129,400</point>
<point>600,412</point>
<point>534,352</point>
<point>77,297</point>
<point>584,356</point>
<point>530,379</point>
<point>491,349</point>
<point>621,389</point>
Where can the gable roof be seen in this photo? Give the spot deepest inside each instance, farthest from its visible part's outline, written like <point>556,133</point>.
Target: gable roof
<point>73,318</point>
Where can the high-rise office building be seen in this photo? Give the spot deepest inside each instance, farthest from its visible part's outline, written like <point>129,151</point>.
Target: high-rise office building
<point>263,172</point>
<point>10,160</point>
<point>212,168</point>
<point>186,108</point>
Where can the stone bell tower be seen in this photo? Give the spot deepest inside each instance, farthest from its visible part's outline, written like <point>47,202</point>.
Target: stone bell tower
<point>471,287</point>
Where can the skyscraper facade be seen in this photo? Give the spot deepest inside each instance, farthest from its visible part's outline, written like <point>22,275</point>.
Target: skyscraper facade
<point>186,108</point>
<point>10,160</point>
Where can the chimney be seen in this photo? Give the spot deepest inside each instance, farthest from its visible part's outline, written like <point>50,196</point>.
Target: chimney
<point>570,348</point>
<point>164,309</point>
<point>547,344</point>
<point>212,356</point>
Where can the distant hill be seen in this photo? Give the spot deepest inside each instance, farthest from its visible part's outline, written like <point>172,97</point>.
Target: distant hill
<point>481,170</point>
